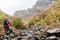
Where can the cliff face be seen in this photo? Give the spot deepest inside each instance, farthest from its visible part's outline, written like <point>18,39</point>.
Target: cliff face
<point>36,9</point>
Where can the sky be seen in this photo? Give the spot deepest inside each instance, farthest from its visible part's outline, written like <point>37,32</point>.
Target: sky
<point>10,6</point>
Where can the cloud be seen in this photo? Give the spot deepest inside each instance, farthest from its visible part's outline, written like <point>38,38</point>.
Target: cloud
<point>10,6</point>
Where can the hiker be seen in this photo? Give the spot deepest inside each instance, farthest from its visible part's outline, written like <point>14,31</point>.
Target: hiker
<point>7,24</point>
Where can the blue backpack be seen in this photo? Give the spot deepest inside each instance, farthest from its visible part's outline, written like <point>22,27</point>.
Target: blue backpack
<point>6,21</point>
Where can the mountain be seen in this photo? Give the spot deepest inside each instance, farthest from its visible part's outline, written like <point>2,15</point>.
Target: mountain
<point>36,9</point>
<point>50,16</point>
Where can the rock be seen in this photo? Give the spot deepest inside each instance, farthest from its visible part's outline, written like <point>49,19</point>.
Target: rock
<point>51,38</point>
<point>35,38</point>
<point>11,35</point>
<point>1,38</point>
<point>37,33</point>
<point>19,38</point>
<point>55,30</point>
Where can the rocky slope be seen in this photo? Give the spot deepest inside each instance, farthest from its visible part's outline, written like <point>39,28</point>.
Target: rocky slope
<point>36,9</point>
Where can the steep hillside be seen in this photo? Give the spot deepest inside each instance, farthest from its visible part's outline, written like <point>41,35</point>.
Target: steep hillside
<point>36,9</point>
<point>2,16</point>
<point>50,16</point>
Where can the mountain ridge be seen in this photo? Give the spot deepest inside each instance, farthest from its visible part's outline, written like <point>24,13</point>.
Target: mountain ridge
<point>40,6</point>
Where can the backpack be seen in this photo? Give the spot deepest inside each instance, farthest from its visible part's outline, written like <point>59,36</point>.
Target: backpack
<point>6,21</point>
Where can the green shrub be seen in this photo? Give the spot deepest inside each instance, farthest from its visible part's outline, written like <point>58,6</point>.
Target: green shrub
<point>17,23</point>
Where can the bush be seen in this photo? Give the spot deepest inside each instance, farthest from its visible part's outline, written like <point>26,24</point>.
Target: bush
<point>31,22</point>
<point>17,23</point>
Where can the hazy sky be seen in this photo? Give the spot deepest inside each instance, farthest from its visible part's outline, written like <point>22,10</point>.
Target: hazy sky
<point>10,6</point>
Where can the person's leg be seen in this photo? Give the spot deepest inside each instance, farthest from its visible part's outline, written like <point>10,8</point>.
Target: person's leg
<point>6,30</point>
